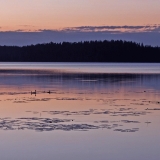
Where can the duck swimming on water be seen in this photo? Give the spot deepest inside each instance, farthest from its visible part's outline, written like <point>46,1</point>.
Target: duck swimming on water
<point>49,92</point>
<point>33,92</point>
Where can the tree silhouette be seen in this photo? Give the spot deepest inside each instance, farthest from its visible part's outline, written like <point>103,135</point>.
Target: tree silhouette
<point>87,51</point>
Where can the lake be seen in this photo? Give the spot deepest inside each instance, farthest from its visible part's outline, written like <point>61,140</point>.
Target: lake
<point>79,111</point>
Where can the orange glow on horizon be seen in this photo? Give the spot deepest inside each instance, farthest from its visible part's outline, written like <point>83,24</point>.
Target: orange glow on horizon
<point>40,14</point>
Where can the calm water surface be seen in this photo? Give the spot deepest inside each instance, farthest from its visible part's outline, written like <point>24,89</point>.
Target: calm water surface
<point>79,111</point>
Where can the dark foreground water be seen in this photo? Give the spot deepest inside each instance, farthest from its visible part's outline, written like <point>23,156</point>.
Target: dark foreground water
<point>79,111</point>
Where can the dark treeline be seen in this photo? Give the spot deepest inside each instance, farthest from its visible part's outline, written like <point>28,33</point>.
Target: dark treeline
<point>93,51</point>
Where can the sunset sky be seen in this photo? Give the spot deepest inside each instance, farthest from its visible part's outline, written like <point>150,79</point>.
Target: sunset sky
<point>18,17</point>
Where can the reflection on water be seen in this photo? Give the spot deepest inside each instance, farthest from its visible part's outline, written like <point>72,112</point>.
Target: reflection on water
<point>107,113</point>
<point>54,80</point>
<point>87,67</point>
<point>51,124</point>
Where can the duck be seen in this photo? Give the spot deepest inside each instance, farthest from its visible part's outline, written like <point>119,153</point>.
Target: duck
<point>49,92</point>
<point>33,92</point>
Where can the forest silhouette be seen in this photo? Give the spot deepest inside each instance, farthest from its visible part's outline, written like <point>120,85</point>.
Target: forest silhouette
<point>88,51</point>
